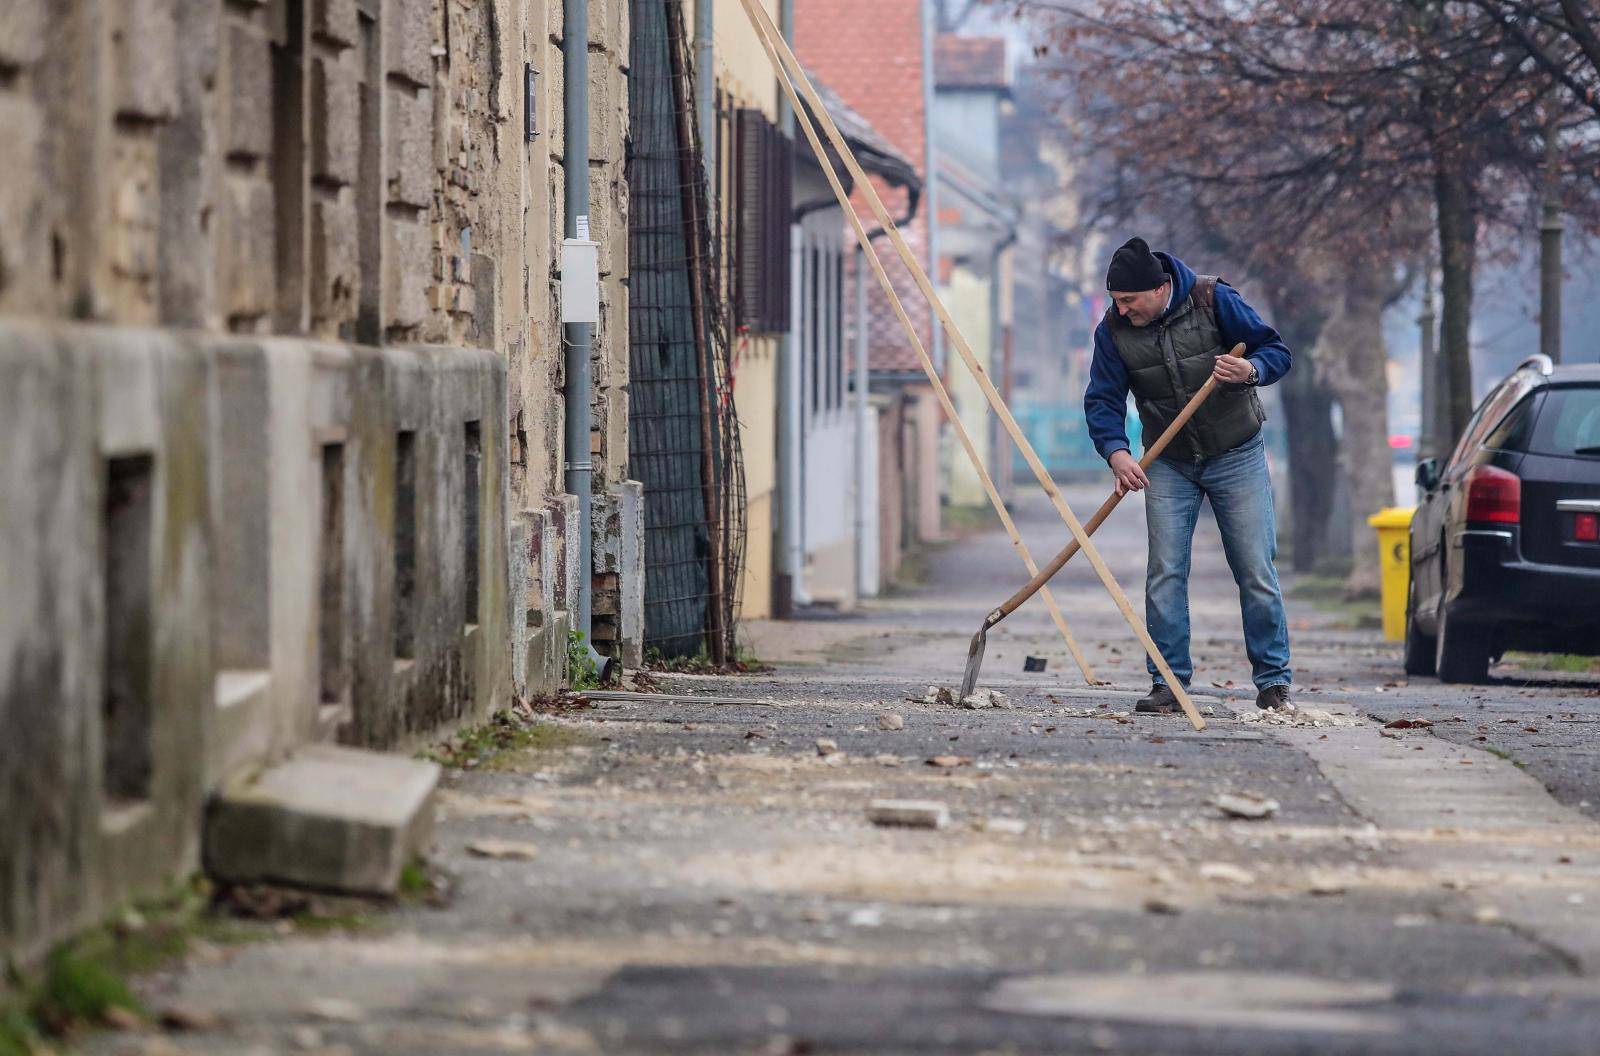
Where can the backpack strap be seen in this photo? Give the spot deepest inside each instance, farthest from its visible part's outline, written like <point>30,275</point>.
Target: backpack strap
<point>1205,291</point>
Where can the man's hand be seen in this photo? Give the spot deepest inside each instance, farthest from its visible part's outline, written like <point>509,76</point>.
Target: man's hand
<point>1231,368</point>
<point>1130,477</point>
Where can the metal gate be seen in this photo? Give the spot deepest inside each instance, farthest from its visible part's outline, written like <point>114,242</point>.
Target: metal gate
<point>683,442</point>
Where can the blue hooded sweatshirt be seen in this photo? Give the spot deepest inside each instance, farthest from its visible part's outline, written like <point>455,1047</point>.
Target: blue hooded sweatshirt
<point>1105,401</point>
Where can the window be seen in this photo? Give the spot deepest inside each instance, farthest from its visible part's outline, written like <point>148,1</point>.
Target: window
<point>1490,412</point>
<point>1569,424</point>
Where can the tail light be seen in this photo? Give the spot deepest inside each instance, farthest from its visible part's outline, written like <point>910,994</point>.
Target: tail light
<point>1494,495</point>
<point>1586,528</point>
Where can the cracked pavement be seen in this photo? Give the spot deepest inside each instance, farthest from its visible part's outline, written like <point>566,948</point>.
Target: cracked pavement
<point>704,880</point>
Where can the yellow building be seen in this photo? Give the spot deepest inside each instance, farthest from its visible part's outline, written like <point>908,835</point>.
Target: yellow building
<point>746,87</point>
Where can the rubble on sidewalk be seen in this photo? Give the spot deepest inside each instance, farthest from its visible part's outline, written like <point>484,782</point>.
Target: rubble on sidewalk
<point>984,698</point>
<point>1247,805</point>
<point>909,813</point>
<point>1299,716</point>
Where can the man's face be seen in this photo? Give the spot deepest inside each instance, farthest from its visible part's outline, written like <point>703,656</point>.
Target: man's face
<point>1143,308</point>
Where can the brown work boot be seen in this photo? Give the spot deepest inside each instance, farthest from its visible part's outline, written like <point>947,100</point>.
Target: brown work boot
<point>1160,700</point>
<point>1274,698</point>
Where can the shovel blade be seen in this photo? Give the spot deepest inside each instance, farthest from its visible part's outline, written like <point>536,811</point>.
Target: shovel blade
<point>969,680</point>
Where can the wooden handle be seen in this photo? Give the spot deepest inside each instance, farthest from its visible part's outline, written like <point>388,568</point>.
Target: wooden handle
<point>1151,453</point>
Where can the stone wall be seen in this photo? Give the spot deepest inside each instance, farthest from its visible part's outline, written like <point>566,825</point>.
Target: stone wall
<point>219,549</point>
<point>293,264</point>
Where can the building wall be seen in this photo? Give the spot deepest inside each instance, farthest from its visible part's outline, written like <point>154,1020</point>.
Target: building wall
<point>967,296</point>
<point>278,324</point>
<point>745,78</point>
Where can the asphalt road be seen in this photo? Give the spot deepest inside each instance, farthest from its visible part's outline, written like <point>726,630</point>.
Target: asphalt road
<point>704,879</point>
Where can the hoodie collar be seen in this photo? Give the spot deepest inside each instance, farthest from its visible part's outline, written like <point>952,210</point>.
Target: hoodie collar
<point>1183,279</point>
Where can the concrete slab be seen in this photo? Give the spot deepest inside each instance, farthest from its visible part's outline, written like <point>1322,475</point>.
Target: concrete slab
<point>330,818</point>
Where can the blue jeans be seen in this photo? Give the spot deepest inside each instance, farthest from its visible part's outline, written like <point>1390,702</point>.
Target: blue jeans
<point>1240,490</point>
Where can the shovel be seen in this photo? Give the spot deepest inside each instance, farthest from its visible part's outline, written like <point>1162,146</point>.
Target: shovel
<point>969,681</point>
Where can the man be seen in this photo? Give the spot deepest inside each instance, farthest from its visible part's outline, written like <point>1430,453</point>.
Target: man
<point>1166,332</point>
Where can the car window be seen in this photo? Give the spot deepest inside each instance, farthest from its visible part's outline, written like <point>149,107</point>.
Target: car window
<point>1515,428</point>
<point>1569,424</point>
<point>1490,411</point>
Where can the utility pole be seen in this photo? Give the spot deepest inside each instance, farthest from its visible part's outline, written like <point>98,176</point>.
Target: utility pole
<point>1550,230</point>
<point>1428,371</point>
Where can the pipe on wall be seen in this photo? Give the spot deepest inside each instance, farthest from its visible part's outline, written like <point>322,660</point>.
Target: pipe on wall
<point>578,337</point>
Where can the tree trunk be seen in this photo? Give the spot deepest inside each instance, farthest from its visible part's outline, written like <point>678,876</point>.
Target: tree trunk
<point>1352,360</point>
<point>1315,534</point>
<point>1456,199</point>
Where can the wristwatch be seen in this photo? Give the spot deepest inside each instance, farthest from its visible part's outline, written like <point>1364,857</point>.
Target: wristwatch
<point>1255,376</point>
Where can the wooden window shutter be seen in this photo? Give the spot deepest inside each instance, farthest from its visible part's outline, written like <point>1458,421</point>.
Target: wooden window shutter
<point>761,250</point>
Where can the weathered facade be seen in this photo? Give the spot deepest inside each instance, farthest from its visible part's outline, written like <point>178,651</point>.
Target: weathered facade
<point>282,390</point>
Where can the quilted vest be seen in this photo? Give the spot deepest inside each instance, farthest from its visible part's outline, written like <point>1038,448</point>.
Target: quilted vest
<point>1167,363</point>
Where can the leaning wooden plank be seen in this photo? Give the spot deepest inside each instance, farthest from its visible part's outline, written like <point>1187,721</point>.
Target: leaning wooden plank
<point>937,383</point>
<point>791,77</point>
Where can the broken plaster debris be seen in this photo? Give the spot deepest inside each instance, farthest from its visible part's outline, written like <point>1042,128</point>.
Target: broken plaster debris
<point>909,813</point>
<point>1224,873</point>
<point>1314,717</point>
<point>512,850</point>
<point>1247,805</point>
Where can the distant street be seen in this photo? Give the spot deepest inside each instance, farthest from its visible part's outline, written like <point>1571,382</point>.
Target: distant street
<point>703,877</point>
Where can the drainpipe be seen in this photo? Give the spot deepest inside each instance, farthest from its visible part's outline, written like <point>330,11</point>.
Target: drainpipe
<point>863,423</point>
<point>786,589</point>
<point>792,435</point>
<point>579,337</point>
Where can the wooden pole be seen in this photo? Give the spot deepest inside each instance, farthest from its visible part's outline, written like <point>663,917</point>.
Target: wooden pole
<point>792,78</point>
<point>940,392</point>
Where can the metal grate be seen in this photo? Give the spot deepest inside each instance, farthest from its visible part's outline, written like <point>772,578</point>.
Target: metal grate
<point>683,437</point>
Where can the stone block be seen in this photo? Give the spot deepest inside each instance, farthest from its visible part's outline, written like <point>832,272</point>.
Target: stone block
<point>631,574</point>
<point>335,264</point>
<point>335,121</point>
<point>329,818</point>
<point>410,143</point>
<point>24,261</point>
<point>406,258</point>
<point>22,34</point>
<point>249,93</point>
<point>248,247</point>
<point>144,56</point>
<point>564,531</point>
<point>408,40</point>
<point>132,239</point>
<point>335,22</point>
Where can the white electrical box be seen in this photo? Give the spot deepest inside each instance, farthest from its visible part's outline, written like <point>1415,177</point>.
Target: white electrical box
<point>580,281</point>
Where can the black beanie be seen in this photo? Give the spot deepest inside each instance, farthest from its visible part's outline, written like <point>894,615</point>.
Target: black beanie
<point>1134,268</point>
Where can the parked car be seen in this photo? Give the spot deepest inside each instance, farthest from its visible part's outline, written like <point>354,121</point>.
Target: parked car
<point>1505,542</point>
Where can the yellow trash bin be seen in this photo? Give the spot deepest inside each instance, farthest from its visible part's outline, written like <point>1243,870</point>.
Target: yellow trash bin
<point>1394,558</point>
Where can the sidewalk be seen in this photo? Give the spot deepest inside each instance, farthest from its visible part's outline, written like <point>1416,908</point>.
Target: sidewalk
<point>703,878</point>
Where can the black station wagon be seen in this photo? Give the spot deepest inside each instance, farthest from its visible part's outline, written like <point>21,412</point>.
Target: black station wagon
<point>1505,542</point>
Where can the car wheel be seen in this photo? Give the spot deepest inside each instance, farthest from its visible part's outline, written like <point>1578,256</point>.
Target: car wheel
<point>1419,650</point>
<point>1461,651</point>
